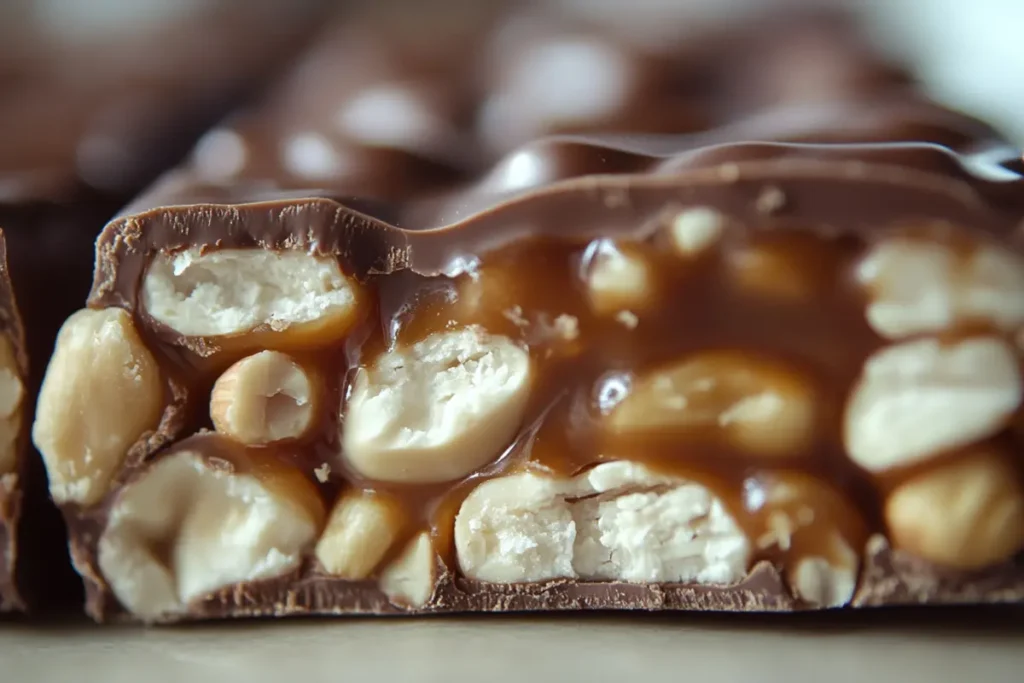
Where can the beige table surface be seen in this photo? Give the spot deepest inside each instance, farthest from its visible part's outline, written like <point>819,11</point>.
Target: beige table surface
<point>962,646</point>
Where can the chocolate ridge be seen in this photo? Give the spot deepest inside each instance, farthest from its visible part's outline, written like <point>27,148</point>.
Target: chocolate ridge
<point>823,187</point>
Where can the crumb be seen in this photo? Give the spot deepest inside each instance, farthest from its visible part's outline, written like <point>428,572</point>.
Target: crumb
<point>567,327</point>
<point>730,173</point>
<point>614,199</point>
<point>770,200</point>
<point>515,315</point>
<point>628,318</point>
<point>805,515</point>
<point>323,473</point>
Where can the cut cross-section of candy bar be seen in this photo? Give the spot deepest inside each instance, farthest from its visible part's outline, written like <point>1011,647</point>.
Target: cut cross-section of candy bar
<point>585,324</point>
<point>749,376</point>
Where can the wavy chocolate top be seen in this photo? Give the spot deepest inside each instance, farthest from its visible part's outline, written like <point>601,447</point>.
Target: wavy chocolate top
<point>833,189</point>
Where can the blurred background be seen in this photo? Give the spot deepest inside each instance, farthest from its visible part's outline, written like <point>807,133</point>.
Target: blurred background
<point>968,54</point>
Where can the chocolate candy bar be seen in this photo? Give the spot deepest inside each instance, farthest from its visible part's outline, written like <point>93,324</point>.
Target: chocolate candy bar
<point>359,369</point>
<point>755,376</point>
<point>13,439</point>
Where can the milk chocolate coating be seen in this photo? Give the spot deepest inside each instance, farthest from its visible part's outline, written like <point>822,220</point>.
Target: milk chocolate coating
<point>859,191</point>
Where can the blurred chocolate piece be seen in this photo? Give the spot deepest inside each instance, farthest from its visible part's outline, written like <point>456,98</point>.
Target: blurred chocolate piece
<point>107,102</point>
<point>387,107</point>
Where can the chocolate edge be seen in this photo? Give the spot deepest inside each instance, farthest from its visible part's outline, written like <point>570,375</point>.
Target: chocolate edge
<point>11,484</point>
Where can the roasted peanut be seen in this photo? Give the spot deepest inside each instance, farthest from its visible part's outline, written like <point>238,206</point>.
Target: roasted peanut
<point>486,291</point>
<point>964,514</point>
<point>758,405</point>
<point>918,399</point>
<point>515,529</point>
<point>251,298</point>
<point>695,230</point>
<point>618,521</point>
<point>101,393</point>
<point>917,286</point>
<point>264,398</point>
<point>361,529</point>
<point>813,529</point>
<point>192,524</point>
<point>769,271</point>
<point>410,579</point>
<point>826,581</point>
<point>617,279</point>
<point>437,410</point>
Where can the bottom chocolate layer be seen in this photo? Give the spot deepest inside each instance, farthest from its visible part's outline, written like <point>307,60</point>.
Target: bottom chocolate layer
<point>889,578</point>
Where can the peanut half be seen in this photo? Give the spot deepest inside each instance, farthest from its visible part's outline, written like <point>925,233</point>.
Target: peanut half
<point>918,399</point>
<point>205,516</point>
<point>618,521</point>
<point>249,299</point>
<point>760,406</point>
<point>102,391</point>
<point>437,410</point>
<point>264,398</point>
